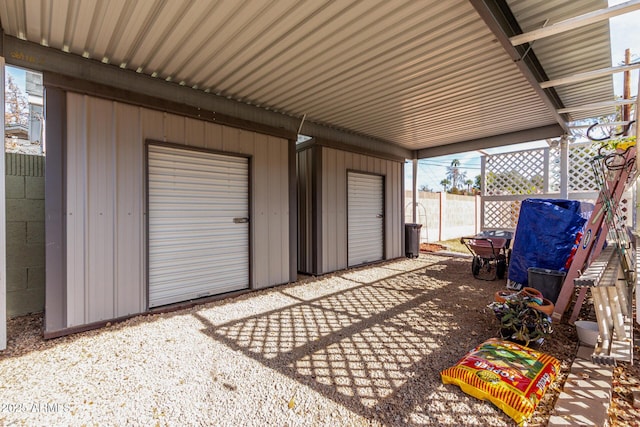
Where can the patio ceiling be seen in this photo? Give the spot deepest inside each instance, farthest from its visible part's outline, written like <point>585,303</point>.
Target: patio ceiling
<point>428,76</point>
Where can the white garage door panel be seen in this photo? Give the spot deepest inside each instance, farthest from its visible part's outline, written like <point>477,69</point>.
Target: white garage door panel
<point>365,218</point>
<point>195,246</point>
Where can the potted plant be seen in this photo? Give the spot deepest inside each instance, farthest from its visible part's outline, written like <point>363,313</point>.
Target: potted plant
<point>520,320</point>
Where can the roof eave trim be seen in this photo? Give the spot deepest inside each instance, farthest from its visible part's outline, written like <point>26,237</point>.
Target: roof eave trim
<point>527,135</point>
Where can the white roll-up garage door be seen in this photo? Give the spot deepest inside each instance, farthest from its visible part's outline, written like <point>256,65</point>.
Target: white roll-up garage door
<point>365,212</point>
<point>198,224</point>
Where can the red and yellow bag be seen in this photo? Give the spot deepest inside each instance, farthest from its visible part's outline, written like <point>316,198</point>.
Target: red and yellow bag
<point>512,377</point>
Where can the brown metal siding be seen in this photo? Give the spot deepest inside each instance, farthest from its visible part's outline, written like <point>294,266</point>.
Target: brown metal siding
<point>305,205</point>
<point>55,208</point>
<point>129,212</point>
<point>105,187</point>
<point>334,214</point>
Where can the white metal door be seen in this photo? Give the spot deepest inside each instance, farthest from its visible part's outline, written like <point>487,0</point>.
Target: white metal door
<point>198,224</point>
<point>365,212</point>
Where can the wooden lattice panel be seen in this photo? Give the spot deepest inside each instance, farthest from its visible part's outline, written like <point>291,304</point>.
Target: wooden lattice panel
<point>555,169</point>
<point>515,173</point>
<point>580,171</point>
<point>510,176</point>
<point>501,214</point>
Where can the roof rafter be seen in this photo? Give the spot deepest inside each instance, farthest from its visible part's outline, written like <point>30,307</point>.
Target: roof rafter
<point>597,105</point>
<point>588,75</point>
<point>575,22</point>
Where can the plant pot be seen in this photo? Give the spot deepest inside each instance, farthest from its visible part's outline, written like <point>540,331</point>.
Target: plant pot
<point>547,306</point>
<point>531,292</point>
<point>501,296</point>
<point>588,332</point>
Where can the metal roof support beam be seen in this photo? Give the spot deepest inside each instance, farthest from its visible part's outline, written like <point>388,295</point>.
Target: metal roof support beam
<point>597,105</point>
<point>33,56</point>
<point>576,22</point>
<point>535,134</point>
<point>588,75</point>
<point>500,20</point>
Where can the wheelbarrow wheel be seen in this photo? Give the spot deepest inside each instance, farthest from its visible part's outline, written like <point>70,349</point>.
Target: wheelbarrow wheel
<point>476,264</point>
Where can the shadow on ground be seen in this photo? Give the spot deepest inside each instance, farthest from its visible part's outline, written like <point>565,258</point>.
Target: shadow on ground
<point>377,346</point>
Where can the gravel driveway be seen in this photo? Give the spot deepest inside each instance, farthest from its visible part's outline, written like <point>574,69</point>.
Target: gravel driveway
<point>359,347</point>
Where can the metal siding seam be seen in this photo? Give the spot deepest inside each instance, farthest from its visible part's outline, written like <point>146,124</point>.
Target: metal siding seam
<point>317,215</point>
<point>260,212</point>
<point>114,211</point>
<point>341,208</point>
<point>76,181</point>
<point>127,245</point>
<point>273,225</point>
<point>292,210</point>
<point>99,236</point>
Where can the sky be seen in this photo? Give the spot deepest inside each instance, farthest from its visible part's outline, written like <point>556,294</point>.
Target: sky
<point>625,33</point>
<point>19,77</point>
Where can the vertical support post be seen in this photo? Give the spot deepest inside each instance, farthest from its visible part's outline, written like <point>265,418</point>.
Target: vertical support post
<point>564,167</point>
<point>626,90</point>
<point>545,170</point>
<point>637,126</point>
<point>477,219</point>
<point>414,193</point>
<point>293,211</point>
<point>443,202</point>
<point>3,222</point>
<point>483,185</point>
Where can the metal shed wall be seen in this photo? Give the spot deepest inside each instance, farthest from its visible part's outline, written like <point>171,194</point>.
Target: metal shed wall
<point>105,201</point>
<point>304,168</point>
<point>335,164</point>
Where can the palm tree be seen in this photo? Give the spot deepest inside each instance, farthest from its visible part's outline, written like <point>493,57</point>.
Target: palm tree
<point>445,183</point>
<point>478,182</point>
<point>454,174</point>
<point>469,183</point>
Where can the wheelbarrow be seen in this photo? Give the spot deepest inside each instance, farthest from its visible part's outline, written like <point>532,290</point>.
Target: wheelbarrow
<point>490,251</point>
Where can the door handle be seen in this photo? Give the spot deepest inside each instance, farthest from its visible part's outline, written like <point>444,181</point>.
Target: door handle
<point>379,216</point>
<point>240,220</point>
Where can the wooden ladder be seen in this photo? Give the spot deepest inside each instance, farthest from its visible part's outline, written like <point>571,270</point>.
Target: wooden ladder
<point>596,231</point>
<point>609,274</point>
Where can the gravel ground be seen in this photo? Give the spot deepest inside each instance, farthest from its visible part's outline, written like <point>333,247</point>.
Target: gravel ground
<point>361,347</point>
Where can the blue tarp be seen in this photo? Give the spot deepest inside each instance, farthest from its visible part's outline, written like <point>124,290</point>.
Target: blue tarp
<point>545,234</point>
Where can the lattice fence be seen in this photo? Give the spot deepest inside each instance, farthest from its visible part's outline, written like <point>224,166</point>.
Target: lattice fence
<point>521,172</point>
<point>509,178</point>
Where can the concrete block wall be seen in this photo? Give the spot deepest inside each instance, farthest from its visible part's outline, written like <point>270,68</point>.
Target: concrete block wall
<point>24,184</point>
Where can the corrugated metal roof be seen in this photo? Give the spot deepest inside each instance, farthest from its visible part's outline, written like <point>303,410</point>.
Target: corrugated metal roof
<point>575,51</point>
<point>418,74</point>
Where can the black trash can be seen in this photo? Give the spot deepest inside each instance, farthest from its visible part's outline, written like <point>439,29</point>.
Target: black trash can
<point>412,240</point>
<point>548,282</point>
